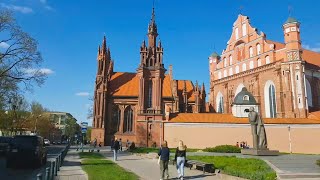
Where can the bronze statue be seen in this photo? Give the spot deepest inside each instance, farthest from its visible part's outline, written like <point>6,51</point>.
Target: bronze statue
<point>258,131</point>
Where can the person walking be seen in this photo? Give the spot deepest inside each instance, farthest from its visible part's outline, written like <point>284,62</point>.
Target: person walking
<point>112,143</point>
<point>115,149</point>
<point>180,158</point>
<point>164,154</point>
<point>120,144</point>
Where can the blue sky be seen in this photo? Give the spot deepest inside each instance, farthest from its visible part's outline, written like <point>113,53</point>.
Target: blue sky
<point>69,33</point>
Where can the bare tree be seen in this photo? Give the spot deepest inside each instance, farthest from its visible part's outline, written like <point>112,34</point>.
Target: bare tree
<point>20,59</point>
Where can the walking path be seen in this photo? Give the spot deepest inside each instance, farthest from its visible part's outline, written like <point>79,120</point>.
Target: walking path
<point>148,168</point>
<point>71,167</point>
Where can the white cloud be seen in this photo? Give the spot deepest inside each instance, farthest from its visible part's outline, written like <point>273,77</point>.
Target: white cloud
<point>22,9</point>
<point>46,6</point>
<point>44,71</point>
<point>315,48</point>
<point>4,45</point>
<point>82,94</point>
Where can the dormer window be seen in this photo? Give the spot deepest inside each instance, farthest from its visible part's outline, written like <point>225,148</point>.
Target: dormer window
<point>245,98</point>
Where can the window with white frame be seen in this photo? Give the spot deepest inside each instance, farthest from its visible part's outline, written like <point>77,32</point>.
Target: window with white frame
<point>258,49</point>
<point>244,67</point>
<point>267,59</point>
<point>230,72</point>
<point>259,62</point>
<point>225,62</point>
<point>219,75</point>
<point>237,69</point>
<point>251,51</point>
<point>251,66</point>
<point>237,33</point>
<point>244,29</point>
<point>230,60</point>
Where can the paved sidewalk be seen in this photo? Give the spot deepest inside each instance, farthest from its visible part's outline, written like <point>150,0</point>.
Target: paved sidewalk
<point>148,169</point>
<point>71,167</point>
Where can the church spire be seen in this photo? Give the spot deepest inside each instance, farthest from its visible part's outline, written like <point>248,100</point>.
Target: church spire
<point>152,25</point>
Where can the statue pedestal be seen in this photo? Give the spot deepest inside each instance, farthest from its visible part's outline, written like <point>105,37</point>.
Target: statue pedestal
<point>260,152</point>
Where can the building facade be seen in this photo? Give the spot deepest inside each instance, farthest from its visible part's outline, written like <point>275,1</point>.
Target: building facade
<point>282,77</point>
<point>134,106</point>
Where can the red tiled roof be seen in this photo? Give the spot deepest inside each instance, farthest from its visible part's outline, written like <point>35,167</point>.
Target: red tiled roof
<point>230,119</point>
<point>124,84</point>
<point>311,57</point>
<point>127,84</point>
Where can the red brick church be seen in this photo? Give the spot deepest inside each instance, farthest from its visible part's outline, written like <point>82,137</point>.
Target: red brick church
<point>134,105</point>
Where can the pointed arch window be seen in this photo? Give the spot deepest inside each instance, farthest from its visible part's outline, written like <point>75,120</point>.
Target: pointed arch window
<point>258,49</point>
<point>237,69</point>
<point>149,94</point>
<point>225,74</point>
<point>259,62</point>
<point>251,66</point>
<point>272,101</point>
<point>220,106</point>
<point>116,117</point>
<point>244,67</point>
<point>230,60</point>
<point>244,29</point>
<point>128,120</point>
<point>250,51</point>
<point>237,33</point>
<point>267,59</point>
<point>225,62</point>
<point>230,72</point>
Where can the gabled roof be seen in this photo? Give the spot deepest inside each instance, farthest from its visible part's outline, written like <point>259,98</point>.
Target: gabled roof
<point>230,119</point>
<point>127,84</point>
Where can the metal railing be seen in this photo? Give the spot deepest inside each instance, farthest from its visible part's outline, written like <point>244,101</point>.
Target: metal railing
<point>54,167</point>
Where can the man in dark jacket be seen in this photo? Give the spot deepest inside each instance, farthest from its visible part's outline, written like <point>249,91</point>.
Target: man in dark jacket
<point>164,154</point>
<point>116,147</point>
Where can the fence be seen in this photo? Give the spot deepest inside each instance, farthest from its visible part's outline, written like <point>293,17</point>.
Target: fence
<point>54,167</point>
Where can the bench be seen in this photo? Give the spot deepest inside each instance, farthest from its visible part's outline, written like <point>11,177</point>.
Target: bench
<point>209,167</point>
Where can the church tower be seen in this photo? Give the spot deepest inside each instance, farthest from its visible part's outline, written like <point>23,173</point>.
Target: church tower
<point>293,72</point>
<point>151,73</point>
<point>105,70</point>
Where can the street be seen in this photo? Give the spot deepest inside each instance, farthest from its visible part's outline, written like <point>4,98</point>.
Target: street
<point>27,173</point>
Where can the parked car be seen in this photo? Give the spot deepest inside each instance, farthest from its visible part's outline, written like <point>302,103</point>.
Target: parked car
<point>46,142</point>
<point>26,149</point>
<point>4,143</point>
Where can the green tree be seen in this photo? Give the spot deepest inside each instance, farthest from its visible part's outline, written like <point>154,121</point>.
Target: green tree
<point>20,59</point>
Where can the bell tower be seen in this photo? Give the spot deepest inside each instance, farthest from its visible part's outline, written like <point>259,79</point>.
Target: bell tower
<point>151,73</point>
<point>292,69</point>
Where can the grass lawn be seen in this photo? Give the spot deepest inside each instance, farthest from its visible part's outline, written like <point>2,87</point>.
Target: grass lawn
<point>156,150</point>
<point>97,167</point>
<point>249,168</point>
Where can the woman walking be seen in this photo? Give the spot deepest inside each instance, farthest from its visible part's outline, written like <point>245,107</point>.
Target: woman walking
<point>164,154</point>
<point>180,158</point>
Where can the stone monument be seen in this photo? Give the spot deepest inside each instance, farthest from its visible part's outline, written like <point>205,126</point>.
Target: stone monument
<point>260,146</point>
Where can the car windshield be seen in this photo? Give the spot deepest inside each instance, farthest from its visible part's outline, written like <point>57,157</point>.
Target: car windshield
<point>25,141</point>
